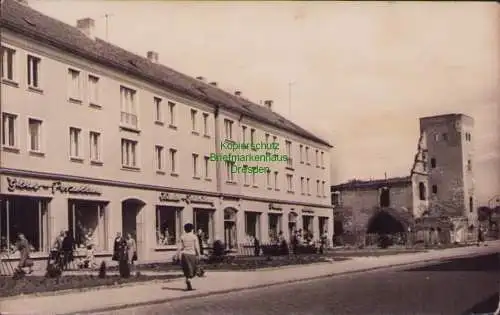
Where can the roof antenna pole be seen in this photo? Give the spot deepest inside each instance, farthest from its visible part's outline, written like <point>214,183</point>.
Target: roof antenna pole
<point>107,16</point>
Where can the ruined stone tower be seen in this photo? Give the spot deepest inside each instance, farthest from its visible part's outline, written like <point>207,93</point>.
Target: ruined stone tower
<point>450,164</point>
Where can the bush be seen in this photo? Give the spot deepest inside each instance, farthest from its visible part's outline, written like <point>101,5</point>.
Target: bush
<point>102,270</point>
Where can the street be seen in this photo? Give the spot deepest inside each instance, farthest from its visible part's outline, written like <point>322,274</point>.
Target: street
<point>461,286</point>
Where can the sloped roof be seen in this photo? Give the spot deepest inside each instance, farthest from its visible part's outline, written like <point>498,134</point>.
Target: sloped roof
<point>372,184</point>
<point>29,22</point>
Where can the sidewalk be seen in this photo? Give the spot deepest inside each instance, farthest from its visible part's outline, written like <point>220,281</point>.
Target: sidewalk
<point>220,282</point>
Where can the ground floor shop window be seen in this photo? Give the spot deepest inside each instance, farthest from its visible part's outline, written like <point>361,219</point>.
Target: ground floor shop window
<point>230,240</point>
<point>168,225</point>
<point>252,225</point>
<point>274,226</point>
<point>87,223</point>
<point>204,223</point>
<point>24,215</point>
<point>323,226</point>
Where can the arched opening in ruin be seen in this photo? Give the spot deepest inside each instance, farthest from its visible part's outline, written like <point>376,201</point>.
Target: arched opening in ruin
<point>384,223</point>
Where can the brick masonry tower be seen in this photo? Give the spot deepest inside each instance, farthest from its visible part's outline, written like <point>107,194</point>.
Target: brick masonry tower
<point>450,158</point>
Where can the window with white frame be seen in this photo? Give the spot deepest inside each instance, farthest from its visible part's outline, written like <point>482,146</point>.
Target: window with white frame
<point>317,158</point>
<point>288,147</point>
<point>87,222</point>
<point>9,130</point>
<point>95,146</point>
<point>207,167</point>
<point>308,186</point>
<point>159,151</point>
<point>268,178</point>
<point>307,155</point>
<point>301,153</point>
<point>243,134</point>
<point>228,127</point>
<point>254,180</point>
<point>322,159</point>
<point>195,166</point>
<point>266,137</point>
<point>252,136</point>
<point>168,225</point>
<point>158,109</point>
<point>302,185</point>
<point>33,68</point>
<point>74,85</point>
<point>323,192</point>
<point>289,182</point>
<point>276,180</point>
<point>194,127</point>
<point>93,89</point>
<point>129,153</point>
<point>75,150</point>
<point>35,135</point>
<point>317,187</point>
<point>205,124</point>
<point>171,113</point>
<point>229,171</point>
<point>173,161</point>
<point>275,139</point>
<point>128,107</point>
<point>8,58</point>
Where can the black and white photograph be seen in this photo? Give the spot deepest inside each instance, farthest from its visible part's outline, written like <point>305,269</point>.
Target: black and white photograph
<point>249,157</point>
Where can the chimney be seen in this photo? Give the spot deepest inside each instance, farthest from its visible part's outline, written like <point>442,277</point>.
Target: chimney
<point>153,56</point>
<point>237,93</point>
<point>86,26</point>
<point>213,83</point>
<point>269,104</point>
<point>201,78</point>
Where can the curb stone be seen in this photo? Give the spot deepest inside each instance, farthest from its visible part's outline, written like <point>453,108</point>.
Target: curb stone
<point>219,292</point>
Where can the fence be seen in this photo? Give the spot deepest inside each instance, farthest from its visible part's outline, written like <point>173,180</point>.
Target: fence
<point>408,239</point>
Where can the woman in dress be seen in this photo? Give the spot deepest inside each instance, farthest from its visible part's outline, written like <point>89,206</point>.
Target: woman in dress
<point>188,252</point>
<point>131,249</point>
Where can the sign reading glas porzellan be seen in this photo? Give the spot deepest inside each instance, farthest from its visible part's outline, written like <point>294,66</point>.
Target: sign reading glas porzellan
<point>249,157</point>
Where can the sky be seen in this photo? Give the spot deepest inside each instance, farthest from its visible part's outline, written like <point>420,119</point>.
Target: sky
<point>358,74</point>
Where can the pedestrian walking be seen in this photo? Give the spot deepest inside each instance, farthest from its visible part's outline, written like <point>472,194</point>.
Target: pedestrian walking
<point>131,249</point>
<point>480,236</point>
<point>25,261</point>
<point>188,253</point>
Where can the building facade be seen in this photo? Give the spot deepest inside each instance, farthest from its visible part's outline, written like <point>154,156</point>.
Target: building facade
<point>441,184</point>
<point>97,141</point>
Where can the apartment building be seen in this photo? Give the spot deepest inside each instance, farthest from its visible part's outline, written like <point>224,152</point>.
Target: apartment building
<point>97,141</point>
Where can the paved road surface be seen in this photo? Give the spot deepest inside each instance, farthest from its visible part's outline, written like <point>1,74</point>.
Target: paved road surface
<point>463,286</point>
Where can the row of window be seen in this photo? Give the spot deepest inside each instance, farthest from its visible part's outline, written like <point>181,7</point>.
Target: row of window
<point>129,155</point>
<point>128,101</point>
<point>444,137</point>
<point>434,162</point>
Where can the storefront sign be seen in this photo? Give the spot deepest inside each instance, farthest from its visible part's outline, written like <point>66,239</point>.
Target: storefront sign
<point>26,185</point>
<point>164,197</point>
<point>198,199</point>
<point>307,211</point>
<point>275,207</point>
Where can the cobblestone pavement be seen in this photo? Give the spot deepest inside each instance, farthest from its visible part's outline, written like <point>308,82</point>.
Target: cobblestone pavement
<point>461,286</point>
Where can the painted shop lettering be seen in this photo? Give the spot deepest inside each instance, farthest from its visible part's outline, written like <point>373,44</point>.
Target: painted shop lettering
<point>169,197</point>
<point>26,185</point>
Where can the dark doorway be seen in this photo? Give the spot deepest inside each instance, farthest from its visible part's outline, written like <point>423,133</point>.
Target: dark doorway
<point>384,223</point>
<point>385,197</point>
<point>131,209</point>
<point>338,227</point>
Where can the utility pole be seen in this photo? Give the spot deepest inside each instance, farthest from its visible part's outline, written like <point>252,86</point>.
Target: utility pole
<point>106,17</point>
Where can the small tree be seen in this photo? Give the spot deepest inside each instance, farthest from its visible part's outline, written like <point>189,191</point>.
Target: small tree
<point>102,270</point>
